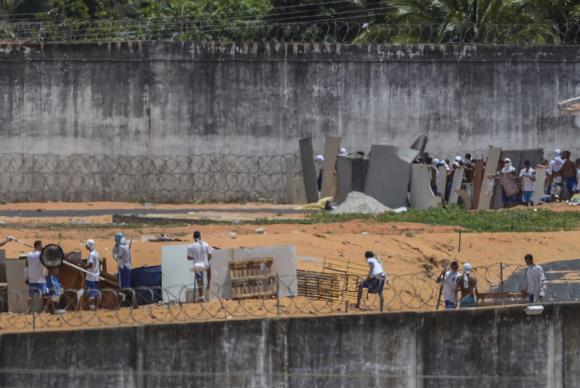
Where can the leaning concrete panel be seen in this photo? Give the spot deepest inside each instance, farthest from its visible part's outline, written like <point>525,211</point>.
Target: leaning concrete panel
<point>422,196</point>
<point>456,185</point>
<point>290,182</point>
<point>389,174</point>
<point>331,148</point>
<point>539,184</point>
<point>485,194</point>
<point>176,276</point>
<point>343,178</point>
<point>477,182</point>
<point>17,290</point>
<point>284,265</point>
<point>441,180</point>
<point>308,169</point>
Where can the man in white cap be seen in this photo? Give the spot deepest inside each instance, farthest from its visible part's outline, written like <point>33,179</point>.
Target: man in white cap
<point>467,285</point>
<point>320,160</point>
<point>122,255</point>
<point>554,173</point>
<point>508,179</point>
<point>94,272</point>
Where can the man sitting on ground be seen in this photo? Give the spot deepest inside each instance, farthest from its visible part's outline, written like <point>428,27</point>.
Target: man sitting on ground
<point>375,280</point>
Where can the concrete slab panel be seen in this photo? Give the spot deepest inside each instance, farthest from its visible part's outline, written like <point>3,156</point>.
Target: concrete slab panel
<point>331,148</point>
<point>308,169</point>
<point>485,194</point>
<point>422,196</point>
<point>456,185</point>
<point>284,265</point>
<point>300,191</point>
<point>343,178</point>
<point>466,198</point>
<point>539,184</point>
<point>17,289</point>
<point>420,144</point>
<point>290,182</point>
<point>477,182</point>
<point>389,174</point>
<point>441,180</point>
<point>176,276</point>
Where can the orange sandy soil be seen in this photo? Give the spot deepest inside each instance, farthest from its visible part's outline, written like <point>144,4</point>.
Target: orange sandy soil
<point>404,248</point>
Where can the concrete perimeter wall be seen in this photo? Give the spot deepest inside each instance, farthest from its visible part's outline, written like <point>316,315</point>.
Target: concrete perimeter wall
<point>478,348</point>
<point>147,100</point>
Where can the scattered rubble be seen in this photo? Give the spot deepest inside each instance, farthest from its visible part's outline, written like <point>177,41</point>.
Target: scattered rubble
<point>359,203</point>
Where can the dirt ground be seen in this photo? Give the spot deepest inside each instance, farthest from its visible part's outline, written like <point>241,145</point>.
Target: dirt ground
<point>404,248</point>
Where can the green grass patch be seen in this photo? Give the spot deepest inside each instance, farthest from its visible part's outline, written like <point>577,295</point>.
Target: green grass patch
<point>525,220</point>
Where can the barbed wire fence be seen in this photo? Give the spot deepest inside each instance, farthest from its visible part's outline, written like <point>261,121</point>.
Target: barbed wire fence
<point>209,177</point>
<point>345,29</point>
<point>403,292</point>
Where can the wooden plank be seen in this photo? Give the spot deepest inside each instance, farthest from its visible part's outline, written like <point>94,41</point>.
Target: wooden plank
<point>493,156</point>
<point>331,148</point>
<point>308,169</point>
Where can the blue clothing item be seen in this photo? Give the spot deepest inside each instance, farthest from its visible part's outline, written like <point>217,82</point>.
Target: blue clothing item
<point>571,184</point>
<point>92,288</point>
<point>527,197</point>
<point>468,301</point>
<point>449,304</point>
<point>375,285</point>
<point>36,289</point>
<point>508,199</point>
<point>53,285</point>
<point>125,277</point>
<point>531,298</point>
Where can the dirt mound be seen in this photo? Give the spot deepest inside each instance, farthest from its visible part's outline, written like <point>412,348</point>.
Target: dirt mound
<point>360,203</point>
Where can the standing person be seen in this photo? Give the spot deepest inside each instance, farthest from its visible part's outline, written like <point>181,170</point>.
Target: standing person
<point>122,255</point>
<point>319,160</point>
<point>375,280</point>
<point>6,240</point>
<point>528,177</point>
<point>449,284</point>
<point>54,291</point>
<point>536,280</point>
<point>199,253</point>
<point>568,176</point>
<point>467,284</point>
<point>35,271</point>
<point>92,278</point>
<point>554,173</point>
<point>577,176</point>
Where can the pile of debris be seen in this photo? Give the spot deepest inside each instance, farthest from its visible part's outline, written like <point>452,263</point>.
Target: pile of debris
<point>359,203</point>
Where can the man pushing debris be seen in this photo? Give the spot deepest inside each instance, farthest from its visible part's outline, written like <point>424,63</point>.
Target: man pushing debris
<point>199,253</point>
<point>375,280</point>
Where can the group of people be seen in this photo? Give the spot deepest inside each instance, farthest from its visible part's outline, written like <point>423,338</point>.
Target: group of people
<point>464,284</point>
<point>46,282</point>
<point>459,289</point>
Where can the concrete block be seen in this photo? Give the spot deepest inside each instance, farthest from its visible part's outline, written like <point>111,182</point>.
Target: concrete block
<point>422,196</point>
<point>350,176</point>
<point>176,276</point>
<point>284,265</point>
<point>485,194</point>
<point>17,289</point>
<point>441,181</point>
<point>539,184</point>
<point>389,174</point>
<point>456,185</point>
<point>290,182</point>
<point>308,169</point>
<point>331,148</point>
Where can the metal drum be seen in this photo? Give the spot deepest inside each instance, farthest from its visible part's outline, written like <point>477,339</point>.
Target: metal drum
<point>52,256</point>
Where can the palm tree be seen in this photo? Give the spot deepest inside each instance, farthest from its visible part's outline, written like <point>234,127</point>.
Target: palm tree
<point>461,21</point>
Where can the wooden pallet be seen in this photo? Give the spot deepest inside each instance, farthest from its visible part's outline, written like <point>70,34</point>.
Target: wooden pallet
<point>253,279</point>
<point>318,285</point>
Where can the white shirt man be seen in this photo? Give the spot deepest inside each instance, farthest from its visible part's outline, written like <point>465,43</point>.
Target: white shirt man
<point>448,282</point>
<point>199,253</point>
<point>122,254</point>
<point>35,269</point>
<point>94,269</point>
<point>536,280</point>
<point>527,179</point>
<point>377,268</point>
